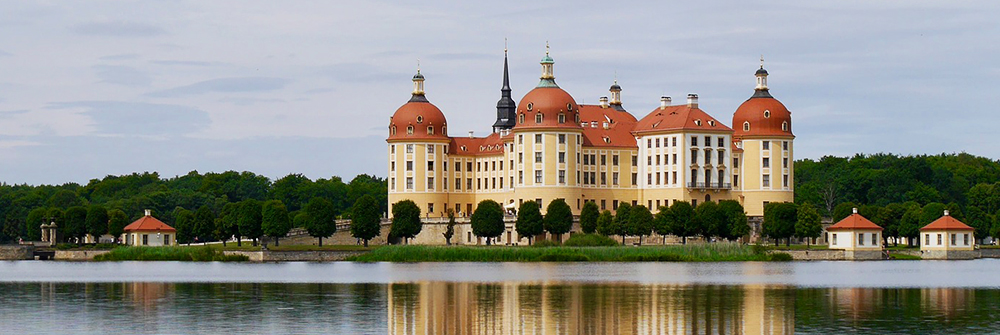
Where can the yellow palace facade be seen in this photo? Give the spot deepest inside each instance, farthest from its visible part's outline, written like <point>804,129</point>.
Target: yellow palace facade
<point>549,147</point>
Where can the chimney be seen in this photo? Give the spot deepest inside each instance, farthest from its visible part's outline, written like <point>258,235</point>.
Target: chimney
<point>855,210</point>
<point>471,133</point>
<point>693,100</point>
<point>604,102</point>
<point>664,102</point>
<point>946,212</point>
<point>149,212</point>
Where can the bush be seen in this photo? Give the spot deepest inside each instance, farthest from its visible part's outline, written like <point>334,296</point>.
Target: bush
<point>758,249</point>
<point>904,257</point>
<point>74,246</point>
<point>545,243</point>
<point>554,257</point>
<point>590,240</point>
<point>781,257</point>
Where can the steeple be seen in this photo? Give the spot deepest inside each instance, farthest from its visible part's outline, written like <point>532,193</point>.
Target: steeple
<point>418,86</point>
<point>616,96</point>
<point>761,90</point>
<point>506,106</point>
<point>548,75</point>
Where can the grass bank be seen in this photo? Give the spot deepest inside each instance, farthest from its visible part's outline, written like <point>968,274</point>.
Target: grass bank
<point>716,252</point>
<point>195,254</point>
<point>299,247</point>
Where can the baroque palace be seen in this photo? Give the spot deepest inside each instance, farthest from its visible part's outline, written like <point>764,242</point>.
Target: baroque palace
<point>547,146</point>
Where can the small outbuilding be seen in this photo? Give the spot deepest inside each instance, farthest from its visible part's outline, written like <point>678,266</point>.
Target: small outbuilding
<point>148,231</point>
<point>948,238</point>
<point>857,236</point>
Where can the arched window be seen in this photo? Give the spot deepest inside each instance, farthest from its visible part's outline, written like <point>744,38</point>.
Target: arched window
<point>562,118</point>
<point>521,118</point>
<point>784,126</point>
<point>430,130</point>
<point>577,117</point>
<point>746,126</point>
<point>767,114</point>
<point>444,131</point>
<point>409,130</point>
<point>392,130</point>
<point>538,118</point>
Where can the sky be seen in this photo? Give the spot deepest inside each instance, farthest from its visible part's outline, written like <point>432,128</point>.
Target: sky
<point>96,88</point>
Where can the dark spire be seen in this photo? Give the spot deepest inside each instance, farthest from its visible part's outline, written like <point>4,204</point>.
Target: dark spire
<point>506,106</point>
<point>761,90</point>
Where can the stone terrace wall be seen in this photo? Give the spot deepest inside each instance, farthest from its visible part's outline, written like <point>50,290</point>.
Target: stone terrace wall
<point>816,255</point>
<point>16,252</point>
<point>296,256</point>
<point>78,255</point>
<point>989,253</point>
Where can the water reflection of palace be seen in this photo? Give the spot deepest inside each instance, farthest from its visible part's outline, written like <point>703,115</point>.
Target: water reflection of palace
<point>516,308</point>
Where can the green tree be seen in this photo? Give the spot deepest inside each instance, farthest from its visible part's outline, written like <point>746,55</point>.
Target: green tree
<point>621,220</point>
<point>736,219</point>
<point>183,222</point>
<point>779,221</point>
<point>640,222</point>
<point>406,222</point>
<point>588,217</point>
<point>36,218</point>
<point>889,219</point>
<point>558,218</point>
<point>366,219</point>
<point>661,223</point>
<point>250,219</point>
<point>449,231</point>
<point>931,212</point>
<point>843,210</point>
<point>487,220</point>
<point>606,223</point>
<point>995,229</point>
<point>117,220</point>
<point>294,190</point>
<point>65,199</point>
<point>909,224</point>
<point>321,218</point>
<point>529,220</point>
<point>75,226</point>
<point>808,224</point>
<point>681,220</point>
<point>226,226</point>
<point>275,221</point>
<point>710,220</point>
<point>204,224</point>
<point>97,221</point>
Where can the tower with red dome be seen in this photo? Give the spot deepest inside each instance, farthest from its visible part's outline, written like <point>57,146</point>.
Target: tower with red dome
<point>763,150</point>
<point>418,145</point>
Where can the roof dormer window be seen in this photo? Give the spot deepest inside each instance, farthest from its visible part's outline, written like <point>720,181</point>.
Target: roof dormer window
<point>697,122</point>
<point>569,107</point>
<point>409,130</point>
<point>520,118</point>
<point>711,123</point>
<point>430,130</point>
<point>746,126</point>
<point>784,126</point>
<point>530,105</point>
<point>767,114</point>
<point>444,131</point>
<point>420,119</point>
<point>538,118</point>
<point>562,118</point>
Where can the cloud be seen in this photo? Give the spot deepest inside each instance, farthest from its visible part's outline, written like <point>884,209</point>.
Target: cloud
<point>224,85</point>
<point>186,63</point>
<point>125,56</point>
<point>118,29</point>
<point>5,54</point>
<point>122,75</point>
<point>358,73</point>
<point>139,119</point>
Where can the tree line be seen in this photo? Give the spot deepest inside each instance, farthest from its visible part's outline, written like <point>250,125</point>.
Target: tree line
<point>202,207</point>
<point>901,194</point>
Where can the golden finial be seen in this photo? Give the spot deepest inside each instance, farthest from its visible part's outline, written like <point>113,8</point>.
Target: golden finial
<point>762,61</point>
<point>546,48</point>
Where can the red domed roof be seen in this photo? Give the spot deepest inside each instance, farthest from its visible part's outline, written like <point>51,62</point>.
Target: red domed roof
<point>766,117</point>
<point>550,102</point>
<point>421,115</point>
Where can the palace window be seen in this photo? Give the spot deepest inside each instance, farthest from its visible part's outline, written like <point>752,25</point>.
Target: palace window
<point>746,126</point>
<point>409,165</point>
<point>694,141</point>
<point>538,118</point>
<point>649,143</point>
<point>635,178</point>
<point>614,178</point>
<point>784,126</point>
<point>392,167</point>
<point>708,141</point>
<point>392,149</point>
<point>562,176</point>
<point>538,157</point>
<point>767,114</point>
<point>722,142</point>
<point>430,149</point>
<point>766,180</point>
<point>430,183</point>
<point>614,160</point>
<point>766,162</point>
<point>409,148</point>
<point>520,118</point>
<point>784,145</point>
<point>562,138</point>
<point>430,130</point>
<point>538,138</point>
<point>766,145</point>
<point>562,118</point>
<point>409,183</point>
<point>562,157</point>
<point>538,176</point>
<point>430,166</point>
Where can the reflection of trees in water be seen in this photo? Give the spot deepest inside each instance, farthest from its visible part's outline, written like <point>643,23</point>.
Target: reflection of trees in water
<point>468,308</point>
<point>896,310</point>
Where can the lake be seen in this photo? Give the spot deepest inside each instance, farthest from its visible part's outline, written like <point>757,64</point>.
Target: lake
<point>915,297</point>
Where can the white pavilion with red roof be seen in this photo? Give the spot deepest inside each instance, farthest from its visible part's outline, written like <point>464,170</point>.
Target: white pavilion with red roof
<point>948,238</point>
<point>857,236</point>
<point>149,231</point>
